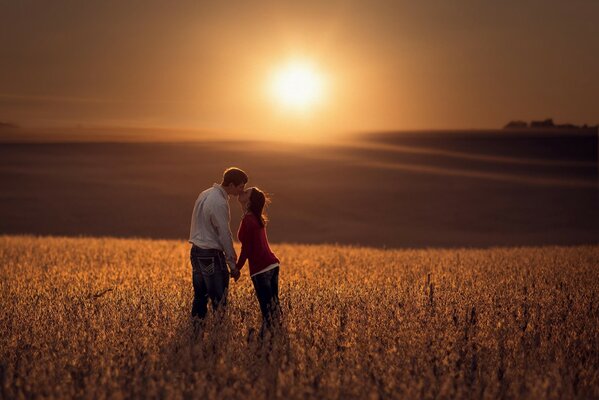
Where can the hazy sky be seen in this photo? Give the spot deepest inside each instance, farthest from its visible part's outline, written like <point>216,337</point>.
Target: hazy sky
<point>387,64</point>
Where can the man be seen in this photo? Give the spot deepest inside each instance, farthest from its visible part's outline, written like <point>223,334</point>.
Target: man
<point>212,243</point>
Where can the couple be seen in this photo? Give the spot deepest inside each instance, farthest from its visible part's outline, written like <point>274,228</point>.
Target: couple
<point>212,247</point>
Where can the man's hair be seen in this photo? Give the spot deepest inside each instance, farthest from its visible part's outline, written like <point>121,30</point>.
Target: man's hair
<point>235,176</point>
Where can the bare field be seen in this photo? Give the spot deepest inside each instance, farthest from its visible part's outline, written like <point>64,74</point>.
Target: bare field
<point>406,190</point>
<point>98,318</point>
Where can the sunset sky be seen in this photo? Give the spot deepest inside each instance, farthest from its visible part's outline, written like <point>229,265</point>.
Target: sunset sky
<point>386,65</point>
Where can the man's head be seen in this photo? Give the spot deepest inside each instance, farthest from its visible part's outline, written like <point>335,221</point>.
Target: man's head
<point>234,180</point>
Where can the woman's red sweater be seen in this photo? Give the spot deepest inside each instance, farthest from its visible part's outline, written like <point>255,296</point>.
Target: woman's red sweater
<point>254,245</point>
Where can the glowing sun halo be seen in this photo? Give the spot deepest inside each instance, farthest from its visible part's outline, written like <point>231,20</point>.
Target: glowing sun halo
<point>297,85</point>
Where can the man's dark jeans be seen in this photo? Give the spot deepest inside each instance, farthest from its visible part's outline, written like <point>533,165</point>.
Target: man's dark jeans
<point>267,291</point>
<point>210,278</point>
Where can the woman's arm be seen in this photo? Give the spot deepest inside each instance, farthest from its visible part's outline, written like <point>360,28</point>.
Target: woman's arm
<point>244,238</point>
<point>242,258</point>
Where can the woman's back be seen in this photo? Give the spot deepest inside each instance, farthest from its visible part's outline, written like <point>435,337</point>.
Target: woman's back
<point>254,244</point>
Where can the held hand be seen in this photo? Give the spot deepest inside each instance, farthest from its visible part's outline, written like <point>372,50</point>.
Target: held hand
<point>236,274</point>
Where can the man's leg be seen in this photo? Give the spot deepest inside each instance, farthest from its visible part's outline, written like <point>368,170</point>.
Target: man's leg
<point>220,283</point>
<point>219,288</point>
<point>199,307</point>
<point>217,281</point>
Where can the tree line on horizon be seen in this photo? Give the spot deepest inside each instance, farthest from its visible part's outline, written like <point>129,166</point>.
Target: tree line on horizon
<point>544,124</point>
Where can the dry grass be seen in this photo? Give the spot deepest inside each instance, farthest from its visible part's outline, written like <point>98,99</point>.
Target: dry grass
<point>98,318</point>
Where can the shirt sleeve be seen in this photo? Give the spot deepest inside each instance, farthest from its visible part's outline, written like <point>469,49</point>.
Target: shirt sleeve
<point>220,219</point>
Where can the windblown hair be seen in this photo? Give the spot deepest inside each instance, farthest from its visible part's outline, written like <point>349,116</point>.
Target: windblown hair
<point>235,176</point>
<point>257,202</point>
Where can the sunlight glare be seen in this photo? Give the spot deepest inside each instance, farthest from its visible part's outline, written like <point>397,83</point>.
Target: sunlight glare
<point>297,85</point>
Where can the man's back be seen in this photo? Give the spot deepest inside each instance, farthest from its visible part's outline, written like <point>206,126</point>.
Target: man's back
<point>212,243</point>
<point>208,208</point>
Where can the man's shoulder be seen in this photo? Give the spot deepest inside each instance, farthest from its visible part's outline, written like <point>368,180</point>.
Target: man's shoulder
<point>214,197</point>
<point>209,192</point>
<point>206,192</point>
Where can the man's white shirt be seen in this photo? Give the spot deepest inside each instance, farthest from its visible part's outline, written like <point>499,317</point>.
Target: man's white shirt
<point>210,223</point>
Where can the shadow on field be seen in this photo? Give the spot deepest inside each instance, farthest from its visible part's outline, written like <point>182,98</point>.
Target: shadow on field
<point>220,352</point>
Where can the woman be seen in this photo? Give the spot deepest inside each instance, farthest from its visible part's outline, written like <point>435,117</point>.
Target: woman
<point>264,265</point>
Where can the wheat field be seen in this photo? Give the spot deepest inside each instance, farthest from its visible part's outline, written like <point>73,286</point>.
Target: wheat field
<point>110,318</point>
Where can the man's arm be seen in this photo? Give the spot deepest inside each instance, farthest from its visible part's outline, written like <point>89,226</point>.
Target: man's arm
<point>220,219</point>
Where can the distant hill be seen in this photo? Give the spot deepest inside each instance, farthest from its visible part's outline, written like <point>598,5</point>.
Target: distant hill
<point>545,124</point>
<point>7,125</point>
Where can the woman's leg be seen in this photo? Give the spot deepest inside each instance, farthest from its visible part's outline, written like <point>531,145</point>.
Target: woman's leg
<point>263,283</point>
<point>274,284</point>
<point>262,287</point>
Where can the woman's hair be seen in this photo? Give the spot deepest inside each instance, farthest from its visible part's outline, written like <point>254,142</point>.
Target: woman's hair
<point>257,202</point>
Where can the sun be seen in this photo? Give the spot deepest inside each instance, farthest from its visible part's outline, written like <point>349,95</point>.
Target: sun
<point>297,85</point>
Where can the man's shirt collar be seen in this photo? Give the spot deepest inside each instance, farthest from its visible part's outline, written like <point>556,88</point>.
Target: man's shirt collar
<point>222,190</point>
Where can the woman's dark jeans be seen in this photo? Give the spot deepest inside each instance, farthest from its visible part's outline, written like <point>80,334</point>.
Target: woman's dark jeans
<point>267,291</point>
<point>210,278</point>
